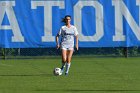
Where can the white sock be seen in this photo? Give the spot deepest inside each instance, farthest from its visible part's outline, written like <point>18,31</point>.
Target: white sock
<point>68,67</point>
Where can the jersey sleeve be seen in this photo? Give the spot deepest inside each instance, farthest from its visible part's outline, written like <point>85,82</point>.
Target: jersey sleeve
<point>75,31</point>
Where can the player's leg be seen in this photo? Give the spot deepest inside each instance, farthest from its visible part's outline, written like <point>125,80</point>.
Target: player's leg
<point>64,59</point>
<point>69,57</point>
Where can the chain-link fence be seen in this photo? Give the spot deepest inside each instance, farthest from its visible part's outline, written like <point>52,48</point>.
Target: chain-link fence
<point>16,53</point>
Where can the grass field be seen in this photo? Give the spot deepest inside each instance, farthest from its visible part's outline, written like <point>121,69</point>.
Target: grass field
<point>87,75</point>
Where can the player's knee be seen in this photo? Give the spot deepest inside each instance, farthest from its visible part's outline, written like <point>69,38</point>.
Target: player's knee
<point>69,60</point>
<point>64,60</point>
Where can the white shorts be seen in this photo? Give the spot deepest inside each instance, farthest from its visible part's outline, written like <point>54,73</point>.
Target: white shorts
<point>67,48</point>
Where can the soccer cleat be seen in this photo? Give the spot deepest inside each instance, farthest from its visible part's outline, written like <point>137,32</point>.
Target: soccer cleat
<point>66,74</point>
<point>62,70</point>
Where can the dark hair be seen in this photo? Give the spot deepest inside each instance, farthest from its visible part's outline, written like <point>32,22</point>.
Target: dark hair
<point>64,19</point>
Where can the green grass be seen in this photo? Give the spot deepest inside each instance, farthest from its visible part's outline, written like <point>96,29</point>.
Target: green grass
<point>87,75</point>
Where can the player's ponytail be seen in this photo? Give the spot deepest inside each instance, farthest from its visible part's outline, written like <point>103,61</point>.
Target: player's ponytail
<point>63,20</point>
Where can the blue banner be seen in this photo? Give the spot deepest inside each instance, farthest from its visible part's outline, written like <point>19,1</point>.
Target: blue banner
<point>100,23</point>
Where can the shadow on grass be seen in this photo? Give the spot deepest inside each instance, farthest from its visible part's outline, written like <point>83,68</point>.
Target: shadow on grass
<point>26,75</point>
<point>92,90</point>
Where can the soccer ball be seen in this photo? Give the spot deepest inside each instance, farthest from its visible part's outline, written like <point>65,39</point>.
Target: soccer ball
<point>57,71</point>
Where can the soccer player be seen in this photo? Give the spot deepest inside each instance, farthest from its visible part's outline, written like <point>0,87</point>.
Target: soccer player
<point>67,32</point>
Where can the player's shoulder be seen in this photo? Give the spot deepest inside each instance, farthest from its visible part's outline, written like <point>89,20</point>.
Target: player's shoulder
<point>62,27</point>
<point>73,26</point>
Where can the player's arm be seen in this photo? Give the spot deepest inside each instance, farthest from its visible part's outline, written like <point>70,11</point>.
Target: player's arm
<point>76,42</point>
<point>57,41</point>
<point>76,37</point>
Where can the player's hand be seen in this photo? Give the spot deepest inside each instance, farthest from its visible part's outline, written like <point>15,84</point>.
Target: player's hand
<point>57,46</point>
<point>77,47</point>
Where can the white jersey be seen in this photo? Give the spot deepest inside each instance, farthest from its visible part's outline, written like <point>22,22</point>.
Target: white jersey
<point>67,36</point>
